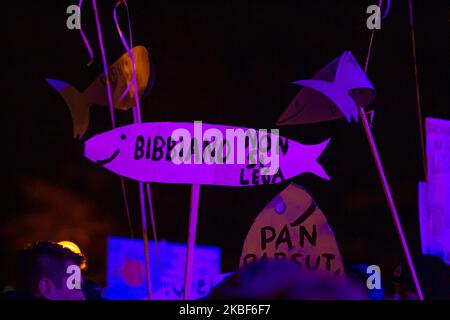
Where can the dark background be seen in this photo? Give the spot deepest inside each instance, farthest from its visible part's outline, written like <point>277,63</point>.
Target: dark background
<point>226,63</point>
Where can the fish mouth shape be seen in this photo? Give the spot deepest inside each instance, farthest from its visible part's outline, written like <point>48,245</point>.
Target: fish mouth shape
<point>109,159</point>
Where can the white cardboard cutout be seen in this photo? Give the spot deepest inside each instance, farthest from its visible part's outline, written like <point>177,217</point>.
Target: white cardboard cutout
<point>293,227</point>
<point>334,92</point>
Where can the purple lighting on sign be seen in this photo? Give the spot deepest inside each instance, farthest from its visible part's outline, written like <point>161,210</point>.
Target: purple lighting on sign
<point>151,152</point>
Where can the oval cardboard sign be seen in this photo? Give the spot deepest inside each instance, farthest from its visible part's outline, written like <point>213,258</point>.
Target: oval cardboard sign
<point>292,227</point>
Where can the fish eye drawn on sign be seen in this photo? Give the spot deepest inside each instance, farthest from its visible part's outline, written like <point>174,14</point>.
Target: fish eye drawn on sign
<point>146,152</point>
<point>292,227</point>
<point>334,92</point>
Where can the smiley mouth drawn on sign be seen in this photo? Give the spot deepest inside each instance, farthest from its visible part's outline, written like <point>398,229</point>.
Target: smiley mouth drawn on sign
<point>113,156</point>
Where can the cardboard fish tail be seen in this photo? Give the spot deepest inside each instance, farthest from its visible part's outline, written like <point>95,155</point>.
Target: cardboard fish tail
<point>317,168</point>
<point>292,227</point>
<point>335,92</point>
<point>76,102</point>
<point>120,76</point>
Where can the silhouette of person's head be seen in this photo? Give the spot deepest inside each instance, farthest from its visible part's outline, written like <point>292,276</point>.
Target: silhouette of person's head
<point>44,269</point>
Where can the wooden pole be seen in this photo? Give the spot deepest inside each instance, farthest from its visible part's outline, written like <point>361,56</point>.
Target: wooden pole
<point>145,239</point>
<point>390,200</point>
<point>188,271</point>
<point>137,118</point>
<point>418,104</point>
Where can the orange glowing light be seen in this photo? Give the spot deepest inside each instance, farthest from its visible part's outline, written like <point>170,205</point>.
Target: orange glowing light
<point>71,246</point>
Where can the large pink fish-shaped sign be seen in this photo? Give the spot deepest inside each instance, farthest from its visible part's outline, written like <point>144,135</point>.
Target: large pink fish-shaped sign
<point>200,153</point>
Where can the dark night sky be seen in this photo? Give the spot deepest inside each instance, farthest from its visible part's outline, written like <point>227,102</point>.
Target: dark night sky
<point>226,63</point>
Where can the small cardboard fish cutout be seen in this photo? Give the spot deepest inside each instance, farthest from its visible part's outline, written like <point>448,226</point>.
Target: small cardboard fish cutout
<point>335,91</point>
<point>292,227</point>
<point>120,74</point>
<point>146,152</point>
